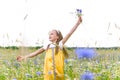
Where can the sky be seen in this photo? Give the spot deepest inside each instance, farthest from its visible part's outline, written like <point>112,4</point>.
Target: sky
<point>27,22</point>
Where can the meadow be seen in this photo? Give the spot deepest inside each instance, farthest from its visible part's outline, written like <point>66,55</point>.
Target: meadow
<point>104,66</point>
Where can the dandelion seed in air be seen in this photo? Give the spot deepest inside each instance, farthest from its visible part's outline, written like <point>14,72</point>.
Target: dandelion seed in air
<point>25,16</point>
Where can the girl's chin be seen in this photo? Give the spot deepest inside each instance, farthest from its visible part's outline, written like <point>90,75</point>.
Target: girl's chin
<point>50,40</point>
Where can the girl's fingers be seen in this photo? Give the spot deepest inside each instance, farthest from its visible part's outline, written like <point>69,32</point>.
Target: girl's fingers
<point>19,58</point>
<point>80,19</point>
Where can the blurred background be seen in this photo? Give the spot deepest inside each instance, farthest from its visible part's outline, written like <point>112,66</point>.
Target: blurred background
<point>27,22</point>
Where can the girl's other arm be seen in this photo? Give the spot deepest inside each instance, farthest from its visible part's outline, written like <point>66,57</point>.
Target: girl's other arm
<point>35,53</point>
<point>72,30</point>
<point>19,58</point>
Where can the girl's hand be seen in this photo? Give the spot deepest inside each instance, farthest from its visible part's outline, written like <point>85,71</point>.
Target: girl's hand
<point>79,14</point>
<point>79,20</point>
<point>20,58</point>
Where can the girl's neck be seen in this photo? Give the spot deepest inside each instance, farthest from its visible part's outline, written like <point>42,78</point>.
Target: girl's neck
<point>55,42</point>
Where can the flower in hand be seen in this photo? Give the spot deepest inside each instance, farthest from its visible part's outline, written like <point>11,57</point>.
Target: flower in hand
<point>79,12</point>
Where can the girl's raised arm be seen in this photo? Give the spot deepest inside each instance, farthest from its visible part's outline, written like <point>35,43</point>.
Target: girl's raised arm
<point>72,30</point>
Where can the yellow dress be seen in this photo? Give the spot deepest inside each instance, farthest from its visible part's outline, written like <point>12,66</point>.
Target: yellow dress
<point>58,65</point>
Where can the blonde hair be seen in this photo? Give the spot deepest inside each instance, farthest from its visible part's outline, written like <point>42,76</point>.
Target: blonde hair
<point>59,34</point>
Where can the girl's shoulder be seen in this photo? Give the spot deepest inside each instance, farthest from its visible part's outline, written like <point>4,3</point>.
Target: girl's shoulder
<point>45,45</point>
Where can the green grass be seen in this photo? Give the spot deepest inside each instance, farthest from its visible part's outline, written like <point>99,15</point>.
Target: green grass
<point>105,66</point>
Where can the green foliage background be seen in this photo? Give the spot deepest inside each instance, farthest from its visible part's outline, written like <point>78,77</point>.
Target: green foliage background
<point>105,66</point>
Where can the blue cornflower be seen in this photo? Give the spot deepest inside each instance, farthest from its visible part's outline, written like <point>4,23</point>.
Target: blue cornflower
<point>87,76</point>
<point>35,62</point>
<point>14,79</point>
<point>49,72</point>
<point>28,75</point>
<point>38,73</point>
<point>17,65</point>
<point>87,53</point>
<point>66,61</point>
<point>79,10</point>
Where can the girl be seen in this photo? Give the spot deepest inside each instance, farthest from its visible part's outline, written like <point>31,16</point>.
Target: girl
<point>55,54</point>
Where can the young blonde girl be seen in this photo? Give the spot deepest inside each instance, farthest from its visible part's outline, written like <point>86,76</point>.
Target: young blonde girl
<point>55,54</point>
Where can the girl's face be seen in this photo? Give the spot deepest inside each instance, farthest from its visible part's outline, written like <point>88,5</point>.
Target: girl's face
<point>53,37</point>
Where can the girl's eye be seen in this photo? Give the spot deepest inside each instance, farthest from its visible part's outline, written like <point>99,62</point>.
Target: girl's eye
<point>51,33</point>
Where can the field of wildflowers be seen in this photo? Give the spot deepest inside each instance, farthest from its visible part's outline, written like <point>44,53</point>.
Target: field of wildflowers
<point>82,64</point>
